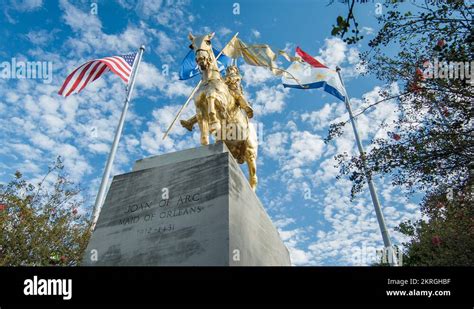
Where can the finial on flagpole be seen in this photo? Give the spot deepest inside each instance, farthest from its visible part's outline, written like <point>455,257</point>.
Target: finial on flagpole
<point>142,47</point>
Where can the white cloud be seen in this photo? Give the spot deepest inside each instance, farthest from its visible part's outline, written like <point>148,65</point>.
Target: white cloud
<point>43,141</point>
<point>165,47</point>
<point>179,138</point>
<point>320,119</point>
<point>169,14</point>
<point>282,222</point>
<point>354,228</point>
<point>335,53</point>
<point>269,100</point>
<point>26,150</point>
<point>293,239</point>
<point>54,124</point>
<point>274,145</point>
<point>100,148</point>
<point>48,104</point>
<point>327,171</point>
<point>26,5</point>
<point>150,78</point>
<point>253,76</point>
<point>368,30</point>
<point>41,37</point>
<point>90,37</point>
<point>353,56</point>
<point>305,148</point>
<point>74,162</point>
<point>256,33</point>
<point>80,20</point>
<point>223,31</point>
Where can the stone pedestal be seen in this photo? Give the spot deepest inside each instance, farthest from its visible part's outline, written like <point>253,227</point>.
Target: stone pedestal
<point>188,208</point>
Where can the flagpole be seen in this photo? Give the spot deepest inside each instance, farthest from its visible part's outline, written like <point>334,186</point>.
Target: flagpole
<point>373,193</point>
<point>108,167</point>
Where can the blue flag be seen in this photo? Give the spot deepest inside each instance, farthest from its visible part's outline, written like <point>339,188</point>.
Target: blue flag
<point>189,67</point>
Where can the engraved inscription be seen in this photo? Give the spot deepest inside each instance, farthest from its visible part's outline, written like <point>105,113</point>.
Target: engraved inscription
<point>167,208</point>
<point>156,229</point>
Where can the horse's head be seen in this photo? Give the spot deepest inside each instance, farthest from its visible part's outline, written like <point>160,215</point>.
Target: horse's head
<point>203,49</point>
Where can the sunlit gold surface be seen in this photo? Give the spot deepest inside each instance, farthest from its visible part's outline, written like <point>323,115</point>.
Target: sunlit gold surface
<point>219,108</point>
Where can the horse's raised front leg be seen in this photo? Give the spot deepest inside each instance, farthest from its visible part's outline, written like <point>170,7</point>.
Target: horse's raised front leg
<point>204,128</point>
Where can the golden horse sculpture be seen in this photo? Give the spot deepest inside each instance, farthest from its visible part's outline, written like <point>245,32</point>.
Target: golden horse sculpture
<point>219,108</point>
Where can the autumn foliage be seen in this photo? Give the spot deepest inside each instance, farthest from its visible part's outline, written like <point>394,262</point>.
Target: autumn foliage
<point>41,224</point>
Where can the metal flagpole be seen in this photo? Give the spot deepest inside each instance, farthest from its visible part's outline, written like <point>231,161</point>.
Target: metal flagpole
<point>373,193</point>
<point>103,185</point>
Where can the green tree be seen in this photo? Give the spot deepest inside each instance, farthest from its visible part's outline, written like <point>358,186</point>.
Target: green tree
<point>344,24</point>
<point>432,144</point>
<point>41,225</point>
<point>446,236</point>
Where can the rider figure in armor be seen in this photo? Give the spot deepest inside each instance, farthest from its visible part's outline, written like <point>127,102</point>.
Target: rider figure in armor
<point>233,81</point>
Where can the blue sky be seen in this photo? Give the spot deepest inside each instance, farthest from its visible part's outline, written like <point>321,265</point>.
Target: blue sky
<point>298,185</point>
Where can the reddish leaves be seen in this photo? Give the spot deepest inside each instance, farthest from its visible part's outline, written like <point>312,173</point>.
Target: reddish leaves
<point>394,136</point>
<point>436,240</point>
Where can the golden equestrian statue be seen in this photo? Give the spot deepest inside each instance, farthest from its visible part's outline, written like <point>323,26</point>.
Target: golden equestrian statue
<point>220,106</point>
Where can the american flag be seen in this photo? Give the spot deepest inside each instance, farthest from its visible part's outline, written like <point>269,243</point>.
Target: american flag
<point>92,70</point>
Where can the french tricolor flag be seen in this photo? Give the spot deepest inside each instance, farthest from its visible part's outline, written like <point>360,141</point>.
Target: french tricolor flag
<point>310,73</point>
